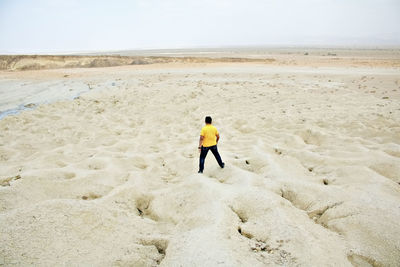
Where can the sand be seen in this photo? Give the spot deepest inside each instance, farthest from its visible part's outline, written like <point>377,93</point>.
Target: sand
<point>312,174</point>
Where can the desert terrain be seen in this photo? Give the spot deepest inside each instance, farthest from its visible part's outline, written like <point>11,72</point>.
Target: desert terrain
<point>99,160</point>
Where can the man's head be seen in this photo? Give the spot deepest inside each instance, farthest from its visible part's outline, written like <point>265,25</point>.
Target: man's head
<point>208,120</point>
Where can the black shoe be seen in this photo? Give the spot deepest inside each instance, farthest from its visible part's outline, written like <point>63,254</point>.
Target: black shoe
<point>200,172</point>
<point>223,165</point>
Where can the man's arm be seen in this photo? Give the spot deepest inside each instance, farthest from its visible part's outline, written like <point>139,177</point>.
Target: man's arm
<point>201,141</point>
<point>217,138</point>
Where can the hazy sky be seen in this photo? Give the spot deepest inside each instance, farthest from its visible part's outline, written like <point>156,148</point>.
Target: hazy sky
<point>32,26</point>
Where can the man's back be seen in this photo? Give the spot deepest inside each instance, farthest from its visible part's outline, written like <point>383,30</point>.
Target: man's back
<point>209,132</point>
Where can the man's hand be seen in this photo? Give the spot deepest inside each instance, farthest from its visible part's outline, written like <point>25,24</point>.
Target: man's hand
<point>199,149</point>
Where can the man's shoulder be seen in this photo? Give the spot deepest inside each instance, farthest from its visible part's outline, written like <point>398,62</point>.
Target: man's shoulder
<point>209,127</point>
<point>213,128</point>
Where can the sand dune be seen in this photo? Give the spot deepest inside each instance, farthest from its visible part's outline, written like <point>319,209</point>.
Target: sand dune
<point>312,173</point>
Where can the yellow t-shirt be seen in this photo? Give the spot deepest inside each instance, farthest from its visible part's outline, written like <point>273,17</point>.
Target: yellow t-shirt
<point>210,135</point>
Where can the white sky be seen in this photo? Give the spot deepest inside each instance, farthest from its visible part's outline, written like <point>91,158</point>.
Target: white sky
<point>45,26</point>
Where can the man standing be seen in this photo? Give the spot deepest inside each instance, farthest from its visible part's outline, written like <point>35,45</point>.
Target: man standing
<point>209,137</point>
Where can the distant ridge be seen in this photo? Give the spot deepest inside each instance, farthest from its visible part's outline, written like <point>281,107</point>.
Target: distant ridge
<point>297,57</point>
<point>37,62</point>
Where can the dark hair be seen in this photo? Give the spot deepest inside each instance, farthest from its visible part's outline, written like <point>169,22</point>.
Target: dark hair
<point>208,119</point>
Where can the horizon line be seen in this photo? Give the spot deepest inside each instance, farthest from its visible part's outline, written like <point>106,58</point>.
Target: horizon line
<point>183,48</point>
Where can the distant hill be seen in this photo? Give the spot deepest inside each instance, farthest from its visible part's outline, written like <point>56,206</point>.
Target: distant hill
<point>37,62</point>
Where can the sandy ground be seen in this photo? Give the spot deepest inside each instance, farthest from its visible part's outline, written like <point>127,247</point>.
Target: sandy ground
<point>312,174</point>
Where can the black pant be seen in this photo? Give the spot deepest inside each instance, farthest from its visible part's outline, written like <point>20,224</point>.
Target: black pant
<point>203,154</point>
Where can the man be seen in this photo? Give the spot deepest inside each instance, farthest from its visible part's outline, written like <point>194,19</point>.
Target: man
<point>209,137</point>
